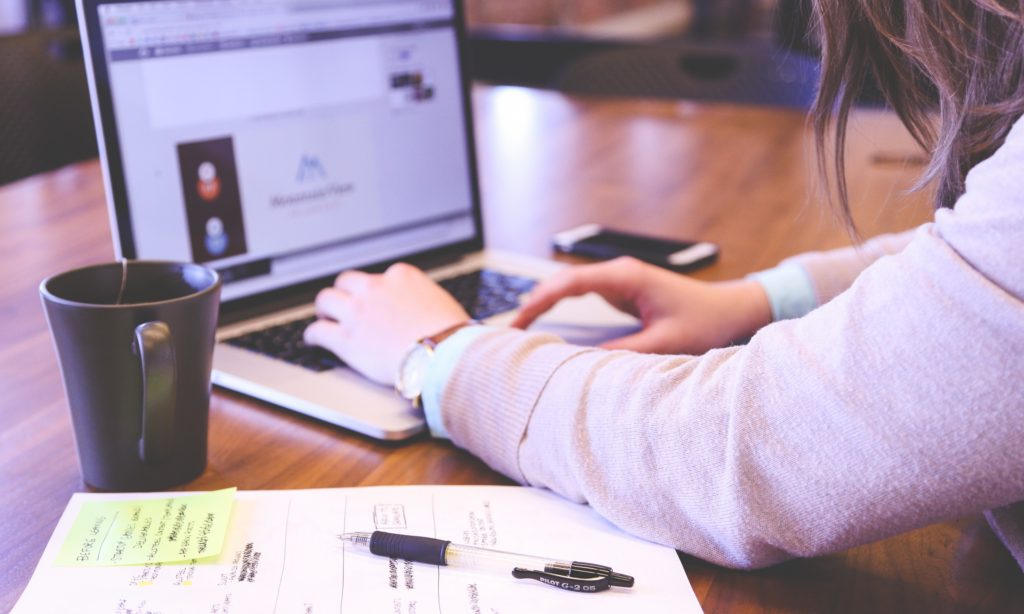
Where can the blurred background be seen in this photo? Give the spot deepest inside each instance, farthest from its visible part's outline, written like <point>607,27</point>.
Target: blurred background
<point>742,51</point>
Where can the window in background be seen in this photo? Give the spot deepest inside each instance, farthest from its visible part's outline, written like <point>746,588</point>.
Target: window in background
<point>13,16</point>
<point>19,16</point>
<point>626,19</point>
<point>739,51</point>
<point>45,117</point>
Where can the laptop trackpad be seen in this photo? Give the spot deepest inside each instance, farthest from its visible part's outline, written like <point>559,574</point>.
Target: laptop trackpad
<point>585,335</point>
<point>586,320</point>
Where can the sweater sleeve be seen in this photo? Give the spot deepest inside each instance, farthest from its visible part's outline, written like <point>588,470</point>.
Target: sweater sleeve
<point>832,272</point>
<point>895,405</point>
<point>798,285</point>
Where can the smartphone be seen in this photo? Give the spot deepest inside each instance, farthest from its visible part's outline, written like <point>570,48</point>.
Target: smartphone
<point>595,241</point>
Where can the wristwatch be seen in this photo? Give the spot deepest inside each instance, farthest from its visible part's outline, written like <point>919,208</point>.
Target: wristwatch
<point>412,372</point>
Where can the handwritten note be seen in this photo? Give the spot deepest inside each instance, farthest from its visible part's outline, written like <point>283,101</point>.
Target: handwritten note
<point>147,531</point>
<point>282,554</point>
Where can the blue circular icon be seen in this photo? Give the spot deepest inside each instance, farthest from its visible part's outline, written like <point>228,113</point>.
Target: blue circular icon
<point>216,240</point>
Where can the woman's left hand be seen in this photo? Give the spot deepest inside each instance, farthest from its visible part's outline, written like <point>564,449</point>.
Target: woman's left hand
<point>371,321</point>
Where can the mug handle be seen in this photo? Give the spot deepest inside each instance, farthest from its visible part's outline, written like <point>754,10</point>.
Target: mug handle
<point>159,390</point>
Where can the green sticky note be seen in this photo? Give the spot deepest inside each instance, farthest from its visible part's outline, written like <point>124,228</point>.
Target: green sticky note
<point>143,531</point>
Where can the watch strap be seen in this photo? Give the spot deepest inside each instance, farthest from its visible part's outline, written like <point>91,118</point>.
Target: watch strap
<point>435,340</point>
<point>429,342</point>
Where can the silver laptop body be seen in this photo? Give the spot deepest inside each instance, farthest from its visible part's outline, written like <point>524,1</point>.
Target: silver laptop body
<point>281,142</point>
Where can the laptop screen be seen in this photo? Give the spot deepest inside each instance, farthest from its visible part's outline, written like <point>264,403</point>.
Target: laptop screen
<point>282,141</point>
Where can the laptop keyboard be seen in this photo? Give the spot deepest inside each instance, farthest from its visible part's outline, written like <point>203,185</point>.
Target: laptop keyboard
<point>483,294</point>
<point>487,293</point>
<point>284,342</point>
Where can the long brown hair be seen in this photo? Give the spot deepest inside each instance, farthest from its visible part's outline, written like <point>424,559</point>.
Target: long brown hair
<point>951,69</point>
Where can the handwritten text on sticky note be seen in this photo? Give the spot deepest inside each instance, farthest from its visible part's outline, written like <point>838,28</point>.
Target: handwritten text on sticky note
<point>144,531</point>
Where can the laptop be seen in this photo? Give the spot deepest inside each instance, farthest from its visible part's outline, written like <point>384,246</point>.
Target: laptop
<point>281,142</point>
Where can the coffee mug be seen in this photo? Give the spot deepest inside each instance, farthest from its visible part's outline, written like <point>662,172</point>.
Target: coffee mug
<point>135,344</point>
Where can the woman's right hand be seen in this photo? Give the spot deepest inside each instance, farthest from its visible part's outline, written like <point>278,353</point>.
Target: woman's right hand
<point>680,315</point>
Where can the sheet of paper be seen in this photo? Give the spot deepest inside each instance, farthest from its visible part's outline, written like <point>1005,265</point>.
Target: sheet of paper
<point>281,554</point>
<point>167,530</point>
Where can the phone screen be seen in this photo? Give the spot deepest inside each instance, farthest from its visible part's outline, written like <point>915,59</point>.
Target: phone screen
<point>601,243</point>
<point>633,244</point>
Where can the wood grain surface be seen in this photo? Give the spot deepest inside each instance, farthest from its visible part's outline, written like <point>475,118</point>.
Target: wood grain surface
<point>738,176</point>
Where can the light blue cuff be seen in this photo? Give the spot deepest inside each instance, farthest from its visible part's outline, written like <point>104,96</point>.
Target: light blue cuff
<point>789,289</point>
<point>446,357</point>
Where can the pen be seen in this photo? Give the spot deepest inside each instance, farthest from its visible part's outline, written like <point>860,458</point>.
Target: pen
<point>571,576</point>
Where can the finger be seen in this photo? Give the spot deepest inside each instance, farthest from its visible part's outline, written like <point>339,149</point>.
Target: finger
<point>547,293</point>
<point>400,269</point>
<point>576,281</point>
<point>353,282</point>
<point>331,336</point>
<point>334,304</point>
<point>542,299</point>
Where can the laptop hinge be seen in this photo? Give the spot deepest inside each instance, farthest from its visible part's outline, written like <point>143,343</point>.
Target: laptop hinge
<point>294,296</point>
<point>260,305</point>
<point>436,261</point>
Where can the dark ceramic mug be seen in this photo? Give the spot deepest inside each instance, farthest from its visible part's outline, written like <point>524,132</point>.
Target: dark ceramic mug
<point>135,343</point>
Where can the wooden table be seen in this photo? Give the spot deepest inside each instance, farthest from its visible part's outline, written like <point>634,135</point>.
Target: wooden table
<point>737,176</point>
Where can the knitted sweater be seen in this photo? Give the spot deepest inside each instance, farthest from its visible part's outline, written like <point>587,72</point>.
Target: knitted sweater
<point>895,404</point>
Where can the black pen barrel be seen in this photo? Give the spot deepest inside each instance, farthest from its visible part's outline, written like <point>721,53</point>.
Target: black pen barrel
<point>409,547</point>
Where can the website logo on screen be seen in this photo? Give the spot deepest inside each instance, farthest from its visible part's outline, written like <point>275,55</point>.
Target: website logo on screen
<point>316,190</point>
<point>310,169</point>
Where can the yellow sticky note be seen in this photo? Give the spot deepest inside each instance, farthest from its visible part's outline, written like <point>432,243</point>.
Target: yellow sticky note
<point>143,531</point>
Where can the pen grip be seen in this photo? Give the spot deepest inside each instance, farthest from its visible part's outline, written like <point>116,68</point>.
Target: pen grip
<point>409,547</point>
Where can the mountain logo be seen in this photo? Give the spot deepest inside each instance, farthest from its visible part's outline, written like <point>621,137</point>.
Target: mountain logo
<point>310,169</point>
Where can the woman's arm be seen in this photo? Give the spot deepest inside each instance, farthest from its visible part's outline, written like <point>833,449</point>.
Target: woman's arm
<point>896,405</point>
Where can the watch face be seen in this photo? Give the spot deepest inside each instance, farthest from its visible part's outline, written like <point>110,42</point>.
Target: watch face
<point>414,371</point>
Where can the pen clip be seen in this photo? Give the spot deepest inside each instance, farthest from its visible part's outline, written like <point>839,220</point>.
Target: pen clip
<point>588,584</point>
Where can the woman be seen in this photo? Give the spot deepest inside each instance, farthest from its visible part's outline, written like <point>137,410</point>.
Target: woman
<point>882,389</point>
